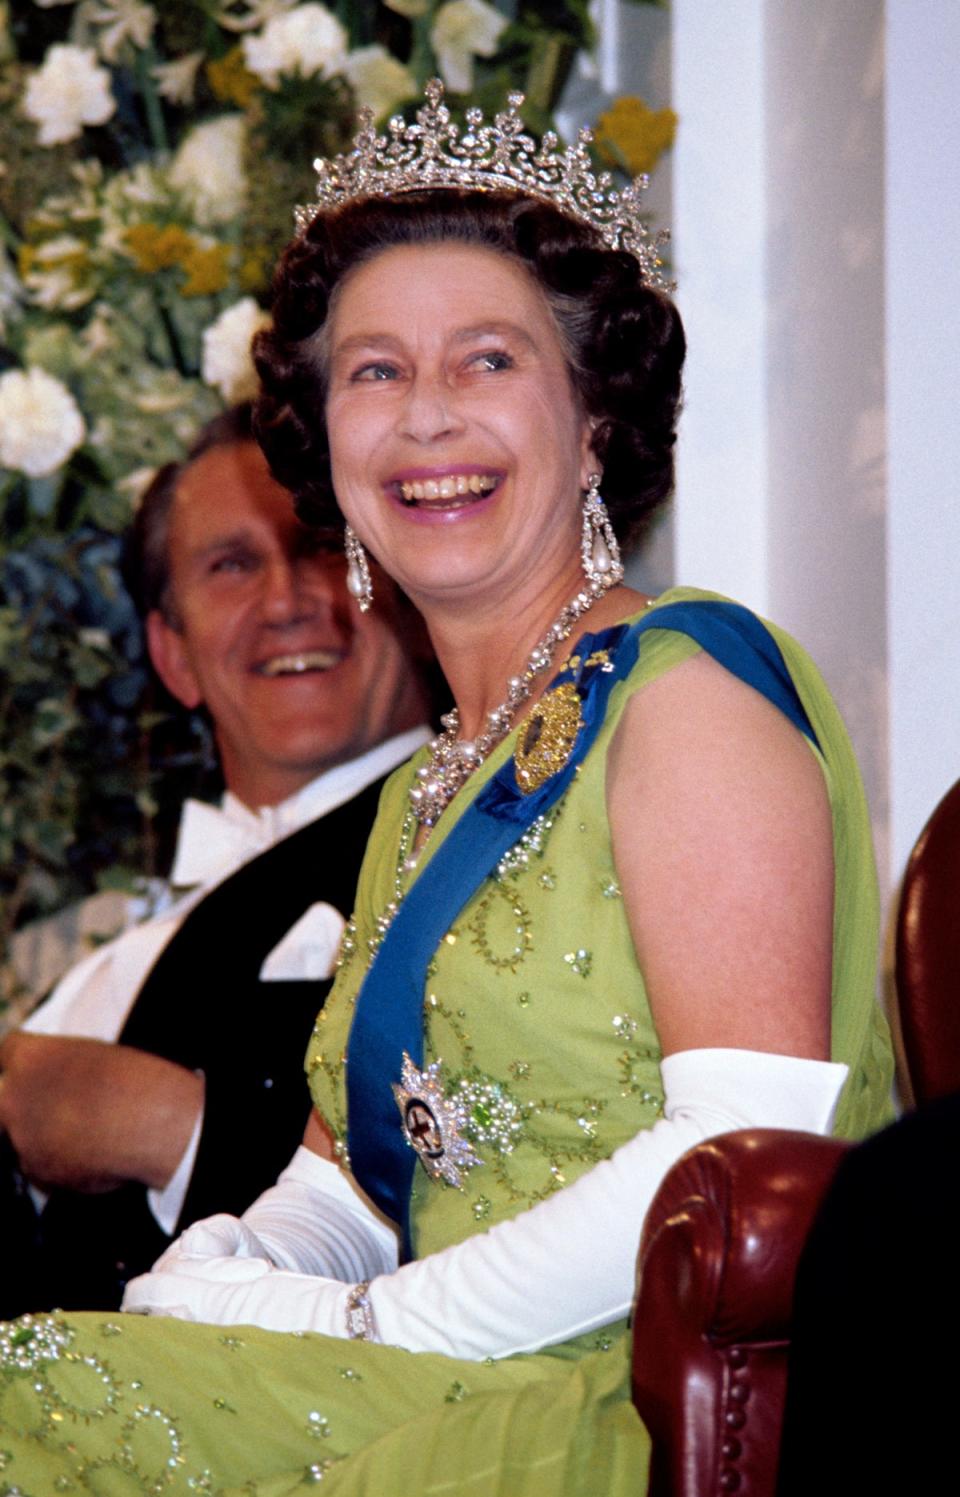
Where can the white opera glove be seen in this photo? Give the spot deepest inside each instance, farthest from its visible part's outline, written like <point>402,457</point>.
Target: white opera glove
<point>568,1265</point>
<point>240,1291</point>
<point>315,1220</point>
<point>561,1269</point>
<point>220,1236</point>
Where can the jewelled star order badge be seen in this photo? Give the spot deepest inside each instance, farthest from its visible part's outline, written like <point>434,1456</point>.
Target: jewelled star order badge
<point>433,1123</point>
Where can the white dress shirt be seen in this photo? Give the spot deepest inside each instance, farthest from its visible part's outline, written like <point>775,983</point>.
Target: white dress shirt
<point>95,997</point>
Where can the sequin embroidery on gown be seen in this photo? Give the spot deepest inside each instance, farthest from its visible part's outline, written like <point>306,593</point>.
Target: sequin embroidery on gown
<point>536,1009</point>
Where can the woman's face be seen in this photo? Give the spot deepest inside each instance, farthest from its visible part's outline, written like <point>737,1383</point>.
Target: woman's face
<point>458,444</point>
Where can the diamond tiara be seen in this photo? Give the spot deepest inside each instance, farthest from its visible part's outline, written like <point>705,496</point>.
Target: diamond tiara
<point>435,153</point>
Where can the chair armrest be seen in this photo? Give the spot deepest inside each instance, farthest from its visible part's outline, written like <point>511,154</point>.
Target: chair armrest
<point>717,1265</point>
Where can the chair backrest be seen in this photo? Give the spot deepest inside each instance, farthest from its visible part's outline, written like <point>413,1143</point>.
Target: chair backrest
<point>928,955</point>
<point>718,1260</point>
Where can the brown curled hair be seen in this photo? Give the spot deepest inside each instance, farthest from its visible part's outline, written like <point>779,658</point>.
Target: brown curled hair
<point>624,341</point>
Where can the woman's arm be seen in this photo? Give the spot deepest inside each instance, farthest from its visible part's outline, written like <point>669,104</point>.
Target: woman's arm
<point>563,1268</point>
<point>723,843</point>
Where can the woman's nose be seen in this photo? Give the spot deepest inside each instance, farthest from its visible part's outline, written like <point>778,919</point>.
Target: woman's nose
<point>430,409</point>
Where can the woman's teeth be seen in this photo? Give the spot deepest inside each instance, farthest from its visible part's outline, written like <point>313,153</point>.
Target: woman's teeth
<point>453,486</point>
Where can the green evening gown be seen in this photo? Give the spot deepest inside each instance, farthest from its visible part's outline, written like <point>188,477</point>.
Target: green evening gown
<point>537,1008</point>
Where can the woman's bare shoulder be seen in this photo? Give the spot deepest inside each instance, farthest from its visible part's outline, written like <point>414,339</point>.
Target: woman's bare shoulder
<point>722,838</point>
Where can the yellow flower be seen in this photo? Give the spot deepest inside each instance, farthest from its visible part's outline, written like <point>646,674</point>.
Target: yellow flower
<point>231,80</point>
<point>154,248</point>
<point>207,267</point>
<point>254,270</point>
<point>634,136</point>
<point>208,270</point>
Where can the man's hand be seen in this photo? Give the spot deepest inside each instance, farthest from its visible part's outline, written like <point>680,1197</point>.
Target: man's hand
<point>90,1115</point>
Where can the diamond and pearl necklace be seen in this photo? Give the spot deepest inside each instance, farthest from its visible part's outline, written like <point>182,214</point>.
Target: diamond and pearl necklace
<point>452,760</point>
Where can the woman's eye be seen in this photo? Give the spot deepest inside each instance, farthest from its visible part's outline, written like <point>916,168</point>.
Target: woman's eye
<point>493,359</point>
<point>375,371</point>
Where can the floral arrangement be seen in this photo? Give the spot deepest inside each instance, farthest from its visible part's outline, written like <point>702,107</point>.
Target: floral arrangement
<point>150,156</point>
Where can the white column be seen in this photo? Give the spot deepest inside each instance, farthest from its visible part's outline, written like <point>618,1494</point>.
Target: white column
<point>923,379</point>
<point>719,254</point>
<point>826,520</point>
<point>817,247</point>
<point>778,197</point>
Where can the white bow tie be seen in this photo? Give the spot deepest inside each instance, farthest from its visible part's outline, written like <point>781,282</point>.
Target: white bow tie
<point>213,842</point>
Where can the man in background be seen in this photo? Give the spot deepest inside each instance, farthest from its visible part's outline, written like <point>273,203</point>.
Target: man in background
<point>163,1079</point>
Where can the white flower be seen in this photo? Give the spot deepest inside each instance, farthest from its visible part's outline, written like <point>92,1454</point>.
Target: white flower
<point>303,41</point>
<point>50,289</point>
<point>66,93</point>
<point>122,21</point>
<point>57,278</point>
<point>56,289</point>
<point>99,337</point>
<point>141,185</point>
<point>227,364</point>
<point>377,79</point>
<point>463,29</point>
<point>177,80</point>
<point>61,248</point>
<point>208,169</point>
<point>40,422</point>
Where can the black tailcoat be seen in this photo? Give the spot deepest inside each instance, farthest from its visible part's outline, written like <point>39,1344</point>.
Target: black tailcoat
<point>204,1006</point>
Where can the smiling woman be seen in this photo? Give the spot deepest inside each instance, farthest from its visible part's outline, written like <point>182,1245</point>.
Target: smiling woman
<point>602,916</point>
<point>424,387</point>
<point>621,338</point>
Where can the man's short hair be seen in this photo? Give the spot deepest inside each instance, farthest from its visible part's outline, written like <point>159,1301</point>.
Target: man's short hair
<point>147,557</point>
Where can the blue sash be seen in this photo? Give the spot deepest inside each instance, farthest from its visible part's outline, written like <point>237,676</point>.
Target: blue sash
<point>388,1015</point>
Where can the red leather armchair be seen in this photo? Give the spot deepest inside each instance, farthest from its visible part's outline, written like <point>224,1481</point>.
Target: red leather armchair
<point>711,1329</point>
